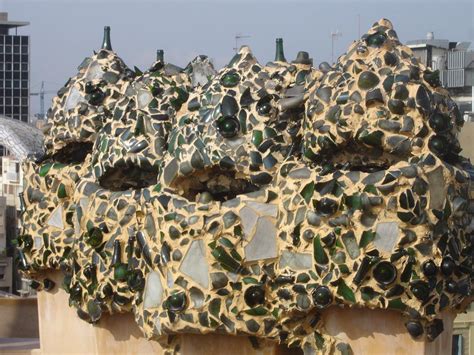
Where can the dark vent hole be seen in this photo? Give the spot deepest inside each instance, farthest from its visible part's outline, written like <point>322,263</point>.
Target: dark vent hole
<point>126,177</point>
<point>73,153</point>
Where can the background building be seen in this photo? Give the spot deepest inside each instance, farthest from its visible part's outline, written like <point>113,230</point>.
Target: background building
<point>14,70</point>
<point>20,139</point>
<point>455,62</point>
<point>463,335</point>
<point>8,218</point>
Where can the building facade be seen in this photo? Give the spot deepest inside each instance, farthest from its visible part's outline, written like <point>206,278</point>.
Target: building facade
<point>14,70</point>
<point>20,139</point>
<point>14,103</point>
<point>455,63</point>
<point>8,277</point>
<point>10,187</point>
<point>463,338</point>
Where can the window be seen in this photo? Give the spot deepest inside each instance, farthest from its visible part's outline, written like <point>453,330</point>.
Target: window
<point>24,66</point>
<point>3,269</point>
<point>24,118</point>
<point>16,49</point>
<point>457,345</point>
<point>24,40</point>
<point>8,39</point>
<point>16,66</point>
<point>24,49</point>
<point>8,49</point>
<point>16,40</point>
<point>24,84</point>
<point>24,58</point>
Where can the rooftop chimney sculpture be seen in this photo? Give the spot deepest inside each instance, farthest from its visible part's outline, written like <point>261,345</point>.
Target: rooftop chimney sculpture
<point>253,202</point>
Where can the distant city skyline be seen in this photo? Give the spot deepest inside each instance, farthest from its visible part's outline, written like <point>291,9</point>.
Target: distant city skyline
<point>63,32</point>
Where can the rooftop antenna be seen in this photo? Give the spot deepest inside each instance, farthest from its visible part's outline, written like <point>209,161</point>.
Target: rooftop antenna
<point>334,35</point>
<point>238,37</point>
<point>358,26</point>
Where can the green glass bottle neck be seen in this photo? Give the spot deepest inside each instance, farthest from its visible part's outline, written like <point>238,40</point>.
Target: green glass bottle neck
<point>279,53</point>
<point>107,44</point>
<point>160,55</point>
<point>117,254</point>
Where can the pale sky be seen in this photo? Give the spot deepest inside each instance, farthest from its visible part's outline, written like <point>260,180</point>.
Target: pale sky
<point>63,32</point>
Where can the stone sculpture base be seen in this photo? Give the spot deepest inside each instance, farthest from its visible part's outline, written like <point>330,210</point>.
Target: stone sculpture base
<point>367,331</point>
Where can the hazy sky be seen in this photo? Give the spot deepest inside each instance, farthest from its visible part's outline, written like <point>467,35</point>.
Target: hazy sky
<point>63,32</point>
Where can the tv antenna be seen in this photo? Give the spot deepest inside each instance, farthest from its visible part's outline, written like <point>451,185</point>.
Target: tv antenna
<point>358,26</point>
<point>238,37</point>
<point>41,93</point>
<point>334,35</point>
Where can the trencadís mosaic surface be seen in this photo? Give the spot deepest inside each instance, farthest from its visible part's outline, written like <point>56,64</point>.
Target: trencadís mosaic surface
<point>246,201</point>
